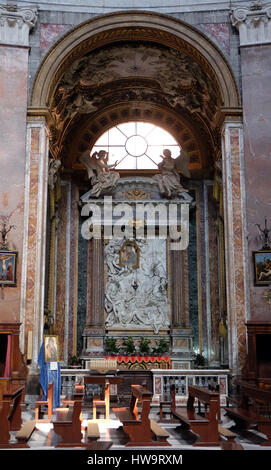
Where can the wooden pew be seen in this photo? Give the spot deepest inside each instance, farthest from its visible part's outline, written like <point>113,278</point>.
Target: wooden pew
<point>25,433</point>
<point>40,404</point>
<point>10,414</point>
<point>138,426</point>
<point>160,434</point>
<point>228,439</point>
<point>206,427</point>
<point>67,424</point>
<point>93,434</point>
<point>254,409</point>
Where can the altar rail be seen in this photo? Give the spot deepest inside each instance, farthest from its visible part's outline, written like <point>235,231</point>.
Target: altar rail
<point>216,380</point>
<point>162,379</point>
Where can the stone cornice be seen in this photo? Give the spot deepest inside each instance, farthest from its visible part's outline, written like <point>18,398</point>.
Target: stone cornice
<point>15,24</point>
<point>253,23</point>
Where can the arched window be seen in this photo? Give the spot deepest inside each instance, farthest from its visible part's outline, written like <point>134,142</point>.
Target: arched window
<point>136,145</point>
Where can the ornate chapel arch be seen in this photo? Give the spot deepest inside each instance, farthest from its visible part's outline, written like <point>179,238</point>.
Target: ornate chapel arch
<point>132,25</point>
<point>156,29</point>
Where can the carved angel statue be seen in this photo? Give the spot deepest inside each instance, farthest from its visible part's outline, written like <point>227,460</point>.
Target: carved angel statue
<point>168,180</point>
<point>102,179</point>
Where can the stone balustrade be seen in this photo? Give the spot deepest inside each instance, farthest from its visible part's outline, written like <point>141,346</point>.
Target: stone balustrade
<point>162,379</point>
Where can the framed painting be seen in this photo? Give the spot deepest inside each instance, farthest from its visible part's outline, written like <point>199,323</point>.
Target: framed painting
<point>262,267</point>
<point>129,255</point>
<point>51,348</point>
<point>8,268</point>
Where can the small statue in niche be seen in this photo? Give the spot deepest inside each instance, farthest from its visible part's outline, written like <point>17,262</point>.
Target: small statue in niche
<point>102,179</point>
<point>168,180</point>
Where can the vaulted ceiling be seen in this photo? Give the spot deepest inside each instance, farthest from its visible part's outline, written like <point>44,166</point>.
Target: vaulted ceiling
<point>140,81</point>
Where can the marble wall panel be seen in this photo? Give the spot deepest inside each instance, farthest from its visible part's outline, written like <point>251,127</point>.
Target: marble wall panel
<point>73,272</point>
<point>61,263</point>
<point>214,275</point>
<point>32,227</point>
<point>256,79</point>
<point>13,98</point>
<point>234,241</point>
<point>193,276</point>
<point>33,234</point>
<point>82,284</point>
<point>49,33</point>
<point>219,32</point>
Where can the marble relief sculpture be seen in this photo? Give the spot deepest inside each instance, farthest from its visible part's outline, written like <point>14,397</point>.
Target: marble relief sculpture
<point>137,298</point>
<point>102,179</point>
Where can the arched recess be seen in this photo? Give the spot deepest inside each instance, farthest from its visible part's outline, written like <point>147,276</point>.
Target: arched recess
<point>197,131</point>
<point>203,134</point>
<point>132,25</point>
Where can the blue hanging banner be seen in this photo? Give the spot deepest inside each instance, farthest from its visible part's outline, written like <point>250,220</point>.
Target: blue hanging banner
<point>50,372</point>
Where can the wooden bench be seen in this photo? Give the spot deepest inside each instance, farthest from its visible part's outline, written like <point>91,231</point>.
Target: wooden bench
<point>205,426</point>
<point>254,409</point>
<point>48,404</point>
<point>138,427</point>
<point>10,414</point>
<point>98,402</point>
<point>26,432</point>
<point>93,434</point>
<point>228,439</point>
<point>67,423</point>
<point>160,434</point>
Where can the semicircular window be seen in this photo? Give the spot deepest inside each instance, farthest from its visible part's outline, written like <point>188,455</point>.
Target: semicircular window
<point>136,145</point>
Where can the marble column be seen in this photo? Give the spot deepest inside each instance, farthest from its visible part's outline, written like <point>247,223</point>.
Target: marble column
<point>181,332</point>
<point>15,25</point>
<point>179,274</point>
<point>254,25</point>
<point>235,241</point>
<point>34,234</point>
<point>94,330</point>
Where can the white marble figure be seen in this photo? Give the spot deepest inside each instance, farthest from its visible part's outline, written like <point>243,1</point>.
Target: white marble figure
<point>144,307</point>
<point>102,179</point>
<point>168,180</point>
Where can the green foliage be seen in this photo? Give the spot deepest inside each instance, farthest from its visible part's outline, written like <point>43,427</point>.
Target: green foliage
<point>128,345</point>
<point>162,347</point>
<point>75,360</point>
<point>111,345</point>
<point>144,345</point>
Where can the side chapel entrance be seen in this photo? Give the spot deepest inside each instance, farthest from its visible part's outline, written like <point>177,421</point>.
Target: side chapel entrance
<point>142,68</point>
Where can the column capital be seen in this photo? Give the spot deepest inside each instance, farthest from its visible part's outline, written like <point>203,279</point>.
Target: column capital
<point>253,23</point>
<point>15,24</point>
